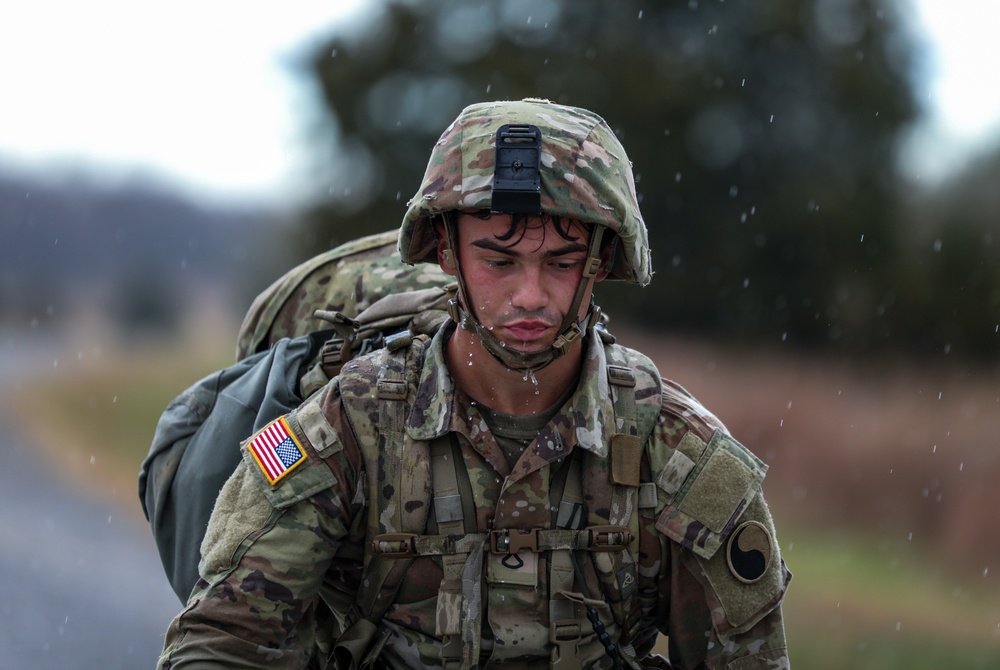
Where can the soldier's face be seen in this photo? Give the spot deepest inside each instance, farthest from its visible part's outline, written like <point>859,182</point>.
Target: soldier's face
<point>521,279</point>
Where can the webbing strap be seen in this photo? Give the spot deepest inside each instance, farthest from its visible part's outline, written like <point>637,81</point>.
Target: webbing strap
<point>595,539</point>
<point>447,497</point>
<point>472,607</point>
<point>458,618</point>
<point>387,511</point>
<point>623,469</point>
<point>448,514</point>
<point>565,615</point>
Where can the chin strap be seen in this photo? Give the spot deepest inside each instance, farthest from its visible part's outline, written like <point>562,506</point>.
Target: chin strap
<point>570,330</point>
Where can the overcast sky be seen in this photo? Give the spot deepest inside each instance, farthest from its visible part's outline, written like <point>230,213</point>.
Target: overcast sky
<point>201,93</point>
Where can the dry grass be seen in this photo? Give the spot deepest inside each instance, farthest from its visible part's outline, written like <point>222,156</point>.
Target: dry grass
<point>881,481</point>
<point>907,453</point>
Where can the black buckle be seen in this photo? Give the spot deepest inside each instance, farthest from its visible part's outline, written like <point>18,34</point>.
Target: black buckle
<point>513,540</point>
<point>516,177</point>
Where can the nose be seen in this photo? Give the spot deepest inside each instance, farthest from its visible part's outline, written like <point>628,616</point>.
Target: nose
<point>529,292</point>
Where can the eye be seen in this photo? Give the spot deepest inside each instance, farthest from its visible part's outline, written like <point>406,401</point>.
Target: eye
<point>566,263</point>
<point>497,262</point>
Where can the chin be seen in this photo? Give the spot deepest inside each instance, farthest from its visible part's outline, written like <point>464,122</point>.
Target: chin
<point>530,348</point>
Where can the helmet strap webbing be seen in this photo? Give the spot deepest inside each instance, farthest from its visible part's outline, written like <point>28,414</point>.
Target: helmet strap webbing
<point>570,330</point>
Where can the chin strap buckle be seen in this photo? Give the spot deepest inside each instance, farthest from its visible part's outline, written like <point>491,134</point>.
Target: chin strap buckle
<point>566,338</point>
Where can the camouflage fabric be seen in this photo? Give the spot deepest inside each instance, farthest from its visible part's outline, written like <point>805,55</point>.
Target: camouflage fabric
<point>585,175</point>
<point>347,279</point>
<point>709,574</point>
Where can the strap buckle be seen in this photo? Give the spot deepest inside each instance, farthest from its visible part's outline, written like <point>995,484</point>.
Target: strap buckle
<point>513,540</point>
<point>609,538</point>
<point>395,545</point>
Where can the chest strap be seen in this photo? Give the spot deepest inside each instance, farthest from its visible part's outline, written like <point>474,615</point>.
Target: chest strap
<point>507,541</point>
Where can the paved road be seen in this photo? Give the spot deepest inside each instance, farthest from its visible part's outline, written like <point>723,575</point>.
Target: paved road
<point>80,584</point>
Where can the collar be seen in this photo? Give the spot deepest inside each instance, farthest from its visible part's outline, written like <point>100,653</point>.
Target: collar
<point>582,421</point>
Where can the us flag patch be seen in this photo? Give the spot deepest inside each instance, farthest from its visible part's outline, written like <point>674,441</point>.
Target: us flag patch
<point>276,450</point>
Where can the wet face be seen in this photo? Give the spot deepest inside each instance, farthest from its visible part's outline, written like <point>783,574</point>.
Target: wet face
<point>521,280</point>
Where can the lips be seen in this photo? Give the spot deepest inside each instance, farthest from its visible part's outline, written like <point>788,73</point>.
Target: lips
<point>527,331</point>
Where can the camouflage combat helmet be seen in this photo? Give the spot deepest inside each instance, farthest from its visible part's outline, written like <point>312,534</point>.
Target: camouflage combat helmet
<point>585,175</point>
<point>531,157</point>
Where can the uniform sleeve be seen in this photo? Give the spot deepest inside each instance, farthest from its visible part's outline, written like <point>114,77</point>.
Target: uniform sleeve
<point>721,578</point>
<point>267,551</point>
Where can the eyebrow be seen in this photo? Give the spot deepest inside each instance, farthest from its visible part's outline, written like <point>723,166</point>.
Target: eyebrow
<point>493,245</point>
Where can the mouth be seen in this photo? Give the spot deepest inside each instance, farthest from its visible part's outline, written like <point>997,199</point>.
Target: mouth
<point>527,332</point>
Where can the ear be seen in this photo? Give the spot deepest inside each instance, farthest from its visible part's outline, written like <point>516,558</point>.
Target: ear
<point>445,255</point>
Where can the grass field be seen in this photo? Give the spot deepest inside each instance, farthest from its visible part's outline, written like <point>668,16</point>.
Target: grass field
<point>865,594</point>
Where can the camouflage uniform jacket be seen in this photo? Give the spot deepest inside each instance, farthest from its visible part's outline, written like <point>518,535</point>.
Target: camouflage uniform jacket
<point>704,567</point>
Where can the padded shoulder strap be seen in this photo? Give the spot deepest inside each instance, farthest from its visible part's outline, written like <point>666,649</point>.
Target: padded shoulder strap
<point>397,469</point>
<point>614,484</point>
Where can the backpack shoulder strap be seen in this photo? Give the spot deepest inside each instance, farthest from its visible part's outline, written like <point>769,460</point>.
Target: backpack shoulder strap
<point>613,486</point>
<point>397,473</point>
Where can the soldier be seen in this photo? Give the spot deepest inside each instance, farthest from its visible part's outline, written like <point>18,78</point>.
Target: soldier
<point>516,490</point>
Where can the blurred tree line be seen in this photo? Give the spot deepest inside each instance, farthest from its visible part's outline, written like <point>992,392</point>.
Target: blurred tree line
<point>765,141</point>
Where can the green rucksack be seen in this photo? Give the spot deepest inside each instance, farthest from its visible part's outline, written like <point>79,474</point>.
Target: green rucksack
<point>285,357</point>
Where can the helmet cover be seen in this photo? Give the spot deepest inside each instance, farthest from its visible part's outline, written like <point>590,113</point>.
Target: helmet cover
<point>585,175</point>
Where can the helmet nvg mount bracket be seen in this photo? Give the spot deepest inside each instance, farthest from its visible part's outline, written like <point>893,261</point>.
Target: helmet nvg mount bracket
<point>516,180</point>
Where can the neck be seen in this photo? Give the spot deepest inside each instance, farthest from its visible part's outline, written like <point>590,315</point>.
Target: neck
<point>489,382</point>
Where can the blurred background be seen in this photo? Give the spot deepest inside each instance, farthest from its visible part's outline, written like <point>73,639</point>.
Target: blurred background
<point>819,180</point>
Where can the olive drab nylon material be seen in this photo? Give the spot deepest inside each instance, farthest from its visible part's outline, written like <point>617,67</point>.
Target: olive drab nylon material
<point>419,507</point>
